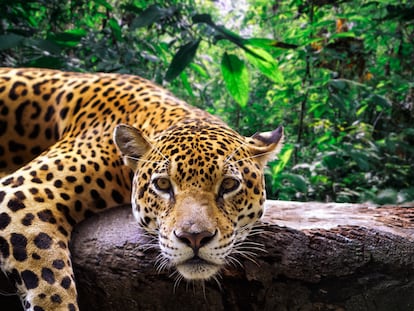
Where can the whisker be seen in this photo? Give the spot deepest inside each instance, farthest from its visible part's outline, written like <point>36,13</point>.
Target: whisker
<point>155,148</point>
<point>255,232</point>
<point>243,143</point>
<point>216,279</point>
<point>250,157</point>
<point>150,242</point>
<point>139,159</point>
<point>148,246</point>
<point>247,255</point>
<point>161,263</point>
<point>234,152</point>
<point>251,249</point>
<point>6,294</point>
<point>246,248</point>
<point>203,286</point>
<point>234,261</point>
<point>178,279</point>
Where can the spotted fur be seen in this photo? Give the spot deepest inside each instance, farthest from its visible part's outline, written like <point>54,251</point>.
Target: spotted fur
<point>70,144</point>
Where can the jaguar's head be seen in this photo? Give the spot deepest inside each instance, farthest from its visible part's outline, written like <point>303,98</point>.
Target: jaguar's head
<point>199,188</point>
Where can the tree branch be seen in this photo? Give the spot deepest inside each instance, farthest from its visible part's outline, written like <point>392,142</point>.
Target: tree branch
<point>317,257</point>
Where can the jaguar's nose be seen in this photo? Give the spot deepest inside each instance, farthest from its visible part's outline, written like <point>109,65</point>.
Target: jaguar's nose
<point>195,240</point>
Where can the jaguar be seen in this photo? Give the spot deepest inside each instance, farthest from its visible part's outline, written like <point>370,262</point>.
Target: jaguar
<point>74,144</point>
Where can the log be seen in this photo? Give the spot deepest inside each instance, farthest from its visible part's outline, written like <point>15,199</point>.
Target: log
<point>316,256</point>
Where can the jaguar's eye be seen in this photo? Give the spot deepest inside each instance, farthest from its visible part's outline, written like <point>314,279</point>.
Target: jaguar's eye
<point>229,184</point>
<point>162,184</point>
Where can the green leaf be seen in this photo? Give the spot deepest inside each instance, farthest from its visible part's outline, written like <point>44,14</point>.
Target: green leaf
<point>333,161</point>
<point>151,15</point>
<point>181,59</point>
<point>45,45</point>
<point>338,84</point>
<point>200,70</point>
<point>45,62</point>
<point>283,159</point>
<point>338,100</point>
<point>269,43</point>
<point>105,4</point>
<point>186,84</point>
<point>236,78</point>
<point>381,101</point>
<point>10,41</point>
<point>69,38</point>
<point>261,42</point>
<point>361,110</point>
<point>297,181</point>
<point>116,29</point>
<point>387,196</point>
<point>265,62</point>
<point>222,32</point>
<point>347,34</point>
<point>361,158</point>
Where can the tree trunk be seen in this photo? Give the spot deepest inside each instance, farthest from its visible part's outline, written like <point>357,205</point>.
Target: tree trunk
<point>315,256</point>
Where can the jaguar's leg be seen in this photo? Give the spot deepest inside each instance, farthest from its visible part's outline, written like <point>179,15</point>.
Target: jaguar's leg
<point>34,251</point>
<point>39,265</point>
<point>39,205</point>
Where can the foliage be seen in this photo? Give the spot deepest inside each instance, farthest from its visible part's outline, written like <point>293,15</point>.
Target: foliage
<point>337,75</point>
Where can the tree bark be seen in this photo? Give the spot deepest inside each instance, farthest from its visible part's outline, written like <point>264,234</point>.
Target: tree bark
<point>315,256</point>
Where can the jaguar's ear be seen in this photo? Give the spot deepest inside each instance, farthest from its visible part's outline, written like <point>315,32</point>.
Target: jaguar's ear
<point>131,143</point>
<point>264,146</point>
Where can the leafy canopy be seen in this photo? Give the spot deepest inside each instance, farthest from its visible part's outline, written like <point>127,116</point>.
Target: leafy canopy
<point>337,75</point>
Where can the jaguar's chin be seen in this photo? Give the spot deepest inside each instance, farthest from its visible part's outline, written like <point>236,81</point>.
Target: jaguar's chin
<point>197,269</point>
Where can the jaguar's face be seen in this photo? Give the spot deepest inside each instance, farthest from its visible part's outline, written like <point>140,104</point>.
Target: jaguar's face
<point>200,190</point>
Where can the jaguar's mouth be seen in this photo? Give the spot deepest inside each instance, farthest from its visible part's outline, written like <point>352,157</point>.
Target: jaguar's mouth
<point>197,268</point>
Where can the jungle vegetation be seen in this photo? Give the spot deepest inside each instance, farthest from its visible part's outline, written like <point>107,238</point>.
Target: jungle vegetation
<point>337,74</point>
